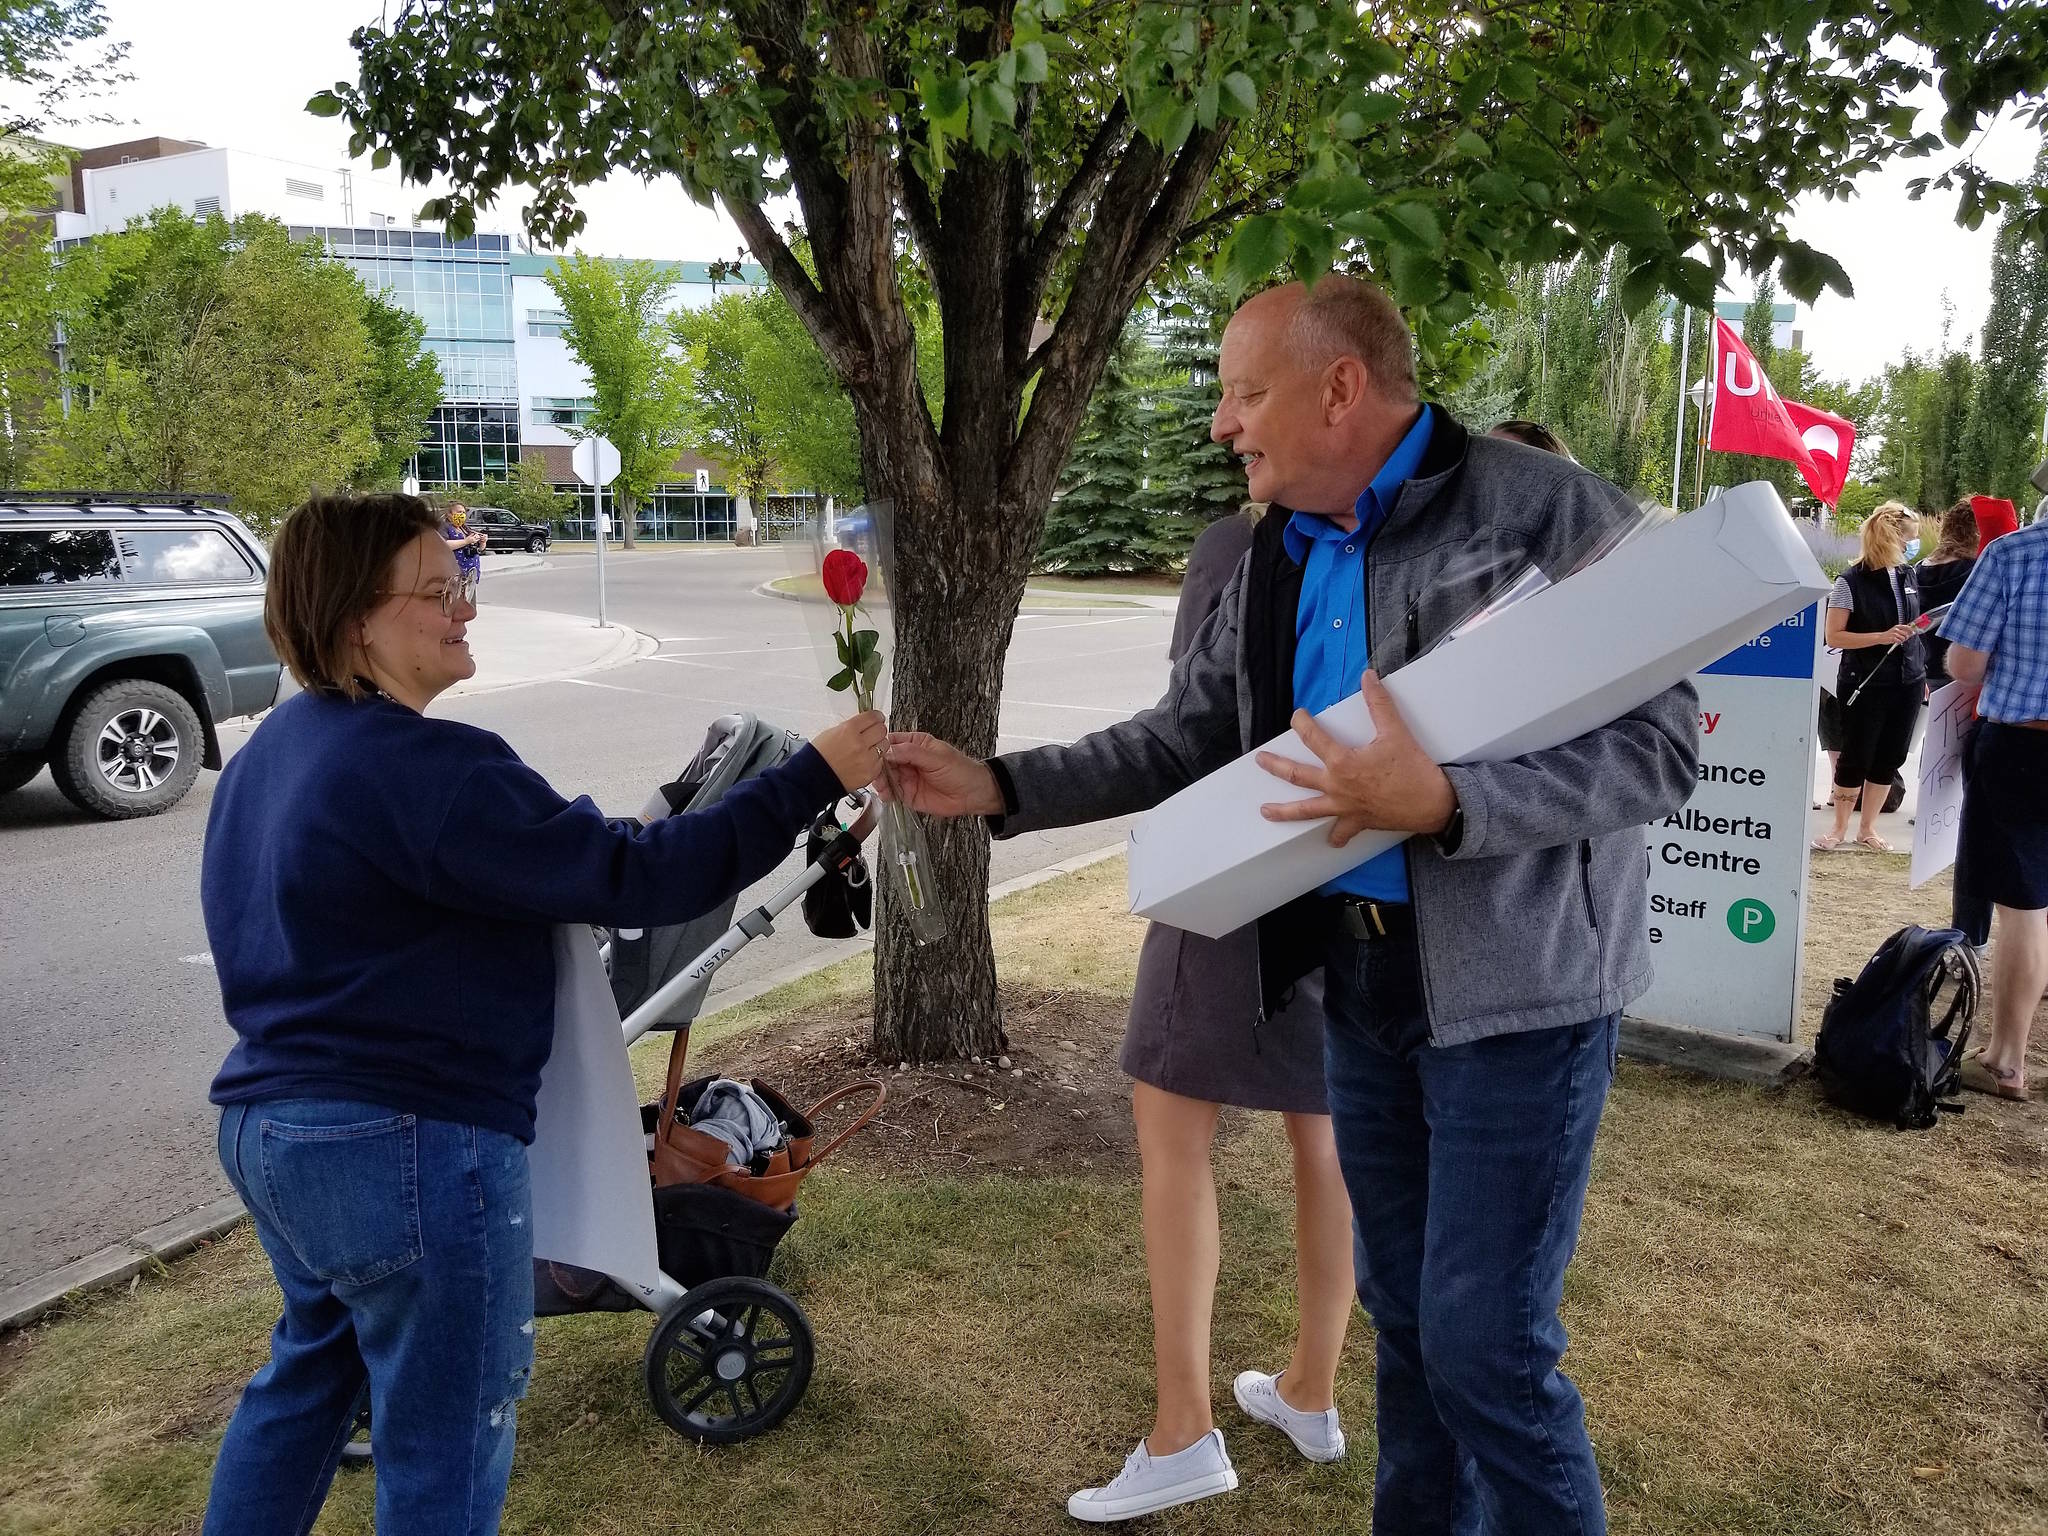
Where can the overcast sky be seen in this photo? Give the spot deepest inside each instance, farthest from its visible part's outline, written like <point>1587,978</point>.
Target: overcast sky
<point>237,73</point>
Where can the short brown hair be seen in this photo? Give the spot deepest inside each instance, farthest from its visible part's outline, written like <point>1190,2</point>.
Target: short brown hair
<point>327,569</point>
<point>1347,317</point>
<point>1958,533</point>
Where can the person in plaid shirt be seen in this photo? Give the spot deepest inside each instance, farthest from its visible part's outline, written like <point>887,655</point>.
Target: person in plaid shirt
<point>1998,634</point>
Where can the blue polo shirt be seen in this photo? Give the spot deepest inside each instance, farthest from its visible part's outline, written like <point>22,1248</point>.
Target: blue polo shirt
<point>1331,648</point>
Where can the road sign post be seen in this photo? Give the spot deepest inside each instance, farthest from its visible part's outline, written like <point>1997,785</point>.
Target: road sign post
<point>596,463</point>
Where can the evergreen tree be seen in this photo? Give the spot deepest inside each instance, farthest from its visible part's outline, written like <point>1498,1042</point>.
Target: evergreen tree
<point>1191,480</point>
<point>2001,441</point>
<point>1101,522</point>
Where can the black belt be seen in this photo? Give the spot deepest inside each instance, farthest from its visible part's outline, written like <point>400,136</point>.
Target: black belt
<point>1373,922</point>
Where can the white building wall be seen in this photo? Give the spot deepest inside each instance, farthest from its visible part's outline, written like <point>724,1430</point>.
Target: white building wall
<point>234,182</point>
<point>117,195</point>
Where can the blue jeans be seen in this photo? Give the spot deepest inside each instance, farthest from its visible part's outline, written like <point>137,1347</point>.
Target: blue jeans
<point>404,1248</point>
<point>1467,1168</point>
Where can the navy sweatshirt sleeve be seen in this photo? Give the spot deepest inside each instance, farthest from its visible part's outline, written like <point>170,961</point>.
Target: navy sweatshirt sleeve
<point>380,890</point>
<point>511,846</point>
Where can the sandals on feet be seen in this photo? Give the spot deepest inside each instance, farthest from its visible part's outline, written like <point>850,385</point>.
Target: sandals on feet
<point>1826,843</point>
<point>1979,1076</point>
<point>1874,843</point>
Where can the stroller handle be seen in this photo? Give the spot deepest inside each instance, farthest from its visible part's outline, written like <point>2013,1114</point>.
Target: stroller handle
<point>749,926</point>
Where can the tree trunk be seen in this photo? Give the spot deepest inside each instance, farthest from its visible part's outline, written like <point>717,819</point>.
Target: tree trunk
<point>622,509</point>
<point>939,1000</point>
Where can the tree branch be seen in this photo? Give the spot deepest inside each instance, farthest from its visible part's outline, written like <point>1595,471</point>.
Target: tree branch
<point>1075,197</point>
<point>788,274</point>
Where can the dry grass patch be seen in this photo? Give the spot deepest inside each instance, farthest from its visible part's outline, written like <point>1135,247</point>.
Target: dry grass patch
<point>1786,1321</point>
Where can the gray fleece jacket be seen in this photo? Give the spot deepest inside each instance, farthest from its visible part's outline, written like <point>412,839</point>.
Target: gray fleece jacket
<point>1539,915</point>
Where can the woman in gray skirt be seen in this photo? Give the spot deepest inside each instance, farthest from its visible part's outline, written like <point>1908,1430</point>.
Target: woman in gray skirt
<point>1191,1048</point>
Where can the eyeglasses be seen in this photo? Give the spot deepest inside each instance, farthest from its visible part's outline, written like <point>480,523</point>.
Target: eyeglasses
<point>451,597</point>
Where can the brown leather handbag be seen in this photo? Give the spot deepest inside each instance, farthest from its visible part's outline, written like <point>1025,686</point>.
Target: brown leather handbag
<point>683,1155</point>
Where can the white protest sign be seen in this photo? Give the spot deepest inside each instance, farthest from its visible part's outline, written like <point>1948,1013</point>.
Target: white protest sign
<point>1728,871</point>
<point>1939,814</point>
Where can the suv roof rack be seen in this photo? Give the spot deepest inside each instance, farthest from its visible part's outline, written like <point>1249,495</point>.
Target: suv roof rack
<point>212,501</point>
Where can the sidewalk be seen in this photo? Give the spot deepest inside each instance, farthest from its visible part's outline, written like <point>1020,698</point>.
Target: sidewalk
<point>517,646</point>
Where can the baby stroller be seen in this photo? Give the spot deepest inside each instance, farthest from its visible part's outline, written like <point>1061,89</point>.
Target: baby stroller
<point>732,1354</point>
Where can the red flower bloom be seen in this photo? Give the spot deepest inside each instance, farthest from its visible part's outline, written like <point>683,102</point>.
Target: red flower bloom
<point>845,576</point>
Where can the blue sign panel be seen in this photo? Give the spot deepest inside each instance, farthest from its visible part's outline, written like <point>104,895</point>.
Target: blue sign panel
<point>1784,650</point>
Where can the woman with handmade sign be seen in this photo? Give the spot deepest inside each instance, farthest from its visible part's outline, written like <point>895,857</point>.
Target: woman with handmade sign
<point>379,889</point>
<point>1871,615</point>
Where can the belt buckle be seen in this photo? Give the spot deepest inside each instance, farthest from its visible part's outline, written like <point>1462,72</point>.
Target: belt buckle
<point>1365,920</point>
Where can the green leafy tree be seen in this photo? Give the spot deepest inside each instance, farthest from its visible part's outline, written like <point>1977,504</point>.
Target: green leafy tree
<point>54,57</point>
<point>723,418</point>
<point>528,494</point>
<point>618,331</point>
<point>2002,436</point>
<point>1103,521</point>
<point>760,388</point>
<point>1042,162</point>
<point>208,356</point>
<point>401,390</point>
<point>28,336</point>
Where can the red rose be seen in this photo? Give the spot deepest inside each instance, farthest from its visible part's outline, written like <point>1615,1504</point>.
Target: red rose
<point>845,576</point>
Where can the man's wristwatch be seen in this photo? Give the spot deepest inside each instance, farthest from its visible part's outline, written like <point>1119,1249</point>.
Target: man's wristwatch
<point>1453,834</point>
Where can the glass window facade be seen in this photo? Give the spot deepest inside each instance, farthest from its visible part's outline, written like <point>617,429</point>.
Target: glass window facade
<point>674,512</point>
<point>560,411</point>
<point>462,290</point>
<point>546,322</point>
<point>468,444</point>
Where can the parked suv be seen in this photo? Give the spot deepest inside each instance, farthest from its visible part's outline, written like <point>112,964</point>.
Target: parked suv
<point>128,630</point>
<point>502,530</point>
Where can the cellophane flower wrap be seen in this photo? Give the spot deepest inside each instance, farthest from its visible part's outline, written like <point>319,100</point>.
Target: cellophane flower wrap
<point>847,551</point>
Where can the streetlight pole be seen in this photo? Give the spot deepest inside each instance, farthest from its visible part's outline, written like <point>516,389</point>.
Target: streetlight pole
<point>1684,367</point>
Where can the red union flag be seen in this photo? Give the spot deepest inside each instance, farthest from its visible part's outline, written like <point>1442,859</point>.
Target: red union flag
<point>1828,439</point>
<point>1751,417</point>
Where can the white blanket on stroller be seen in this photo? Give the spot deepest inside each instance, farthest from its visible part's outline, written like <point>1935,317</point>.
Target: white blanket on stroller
<point>593,1204</point>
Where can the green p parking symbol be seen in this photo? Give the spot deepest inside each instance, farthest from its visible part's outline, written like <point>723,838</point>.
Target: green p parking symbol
<point>1751,921</point>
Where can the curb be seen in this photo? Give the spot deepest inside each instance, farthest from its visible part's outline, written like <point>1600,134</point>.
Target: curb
<point>769,589</point>
<point>23,1304</point>
<point>505,565</point>
<point>629,646</point>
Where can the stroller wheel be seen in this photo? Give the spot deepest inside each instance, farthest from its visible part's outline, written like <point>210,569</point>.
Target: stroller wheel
<point>355,1451</point>
<point>729,1360</point>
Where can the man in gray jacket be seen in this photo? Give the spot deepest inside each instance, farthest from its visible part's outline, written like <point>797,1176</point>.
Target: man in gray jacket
<point>1475,975</point>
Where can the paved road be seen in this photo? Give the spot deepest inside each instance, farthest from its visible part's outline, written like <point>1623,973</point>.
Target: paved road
<point>108,1011</point>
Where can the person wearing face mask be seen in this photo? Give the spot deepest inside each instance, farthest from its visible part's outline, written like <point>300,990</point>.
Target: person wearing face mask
<point>379,888</point>
<point>1871,615</point>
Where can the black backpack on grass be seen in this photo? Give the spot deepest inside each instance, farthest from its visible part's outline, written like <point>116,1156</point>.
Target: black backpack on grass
<point>1891,1042</point>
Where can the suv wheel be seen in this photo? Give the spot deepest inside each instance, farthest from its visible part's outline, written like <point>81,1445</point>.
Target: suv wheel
<point>537,545</point>
<point>133,749</point>
<point>18,770</point>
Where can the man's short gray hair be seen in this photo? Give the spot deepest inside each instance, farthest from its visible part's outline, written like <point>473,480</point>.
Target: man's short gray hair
<point>1346,317</point>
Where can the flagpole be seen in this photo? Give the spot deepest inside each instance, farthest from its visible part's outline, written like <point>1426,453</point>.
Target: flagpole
<point>1707,397</point>
<point>1684,367</point>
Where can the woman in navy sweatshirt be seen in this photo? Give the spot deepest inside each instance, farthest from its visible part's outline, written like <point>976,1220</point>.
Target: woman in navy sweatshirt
<point>379,889</point>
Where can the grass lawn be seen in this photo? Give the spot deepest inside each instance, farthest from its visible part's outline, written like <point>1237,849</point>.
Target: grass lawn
<point>1154,585</point>
<point>1785,1320</point>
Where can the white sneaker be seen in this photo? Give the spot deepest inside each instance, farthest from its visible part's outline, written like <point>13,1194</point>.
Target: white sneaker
<point>1150,1483</point>
<point>1315,1435</point>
